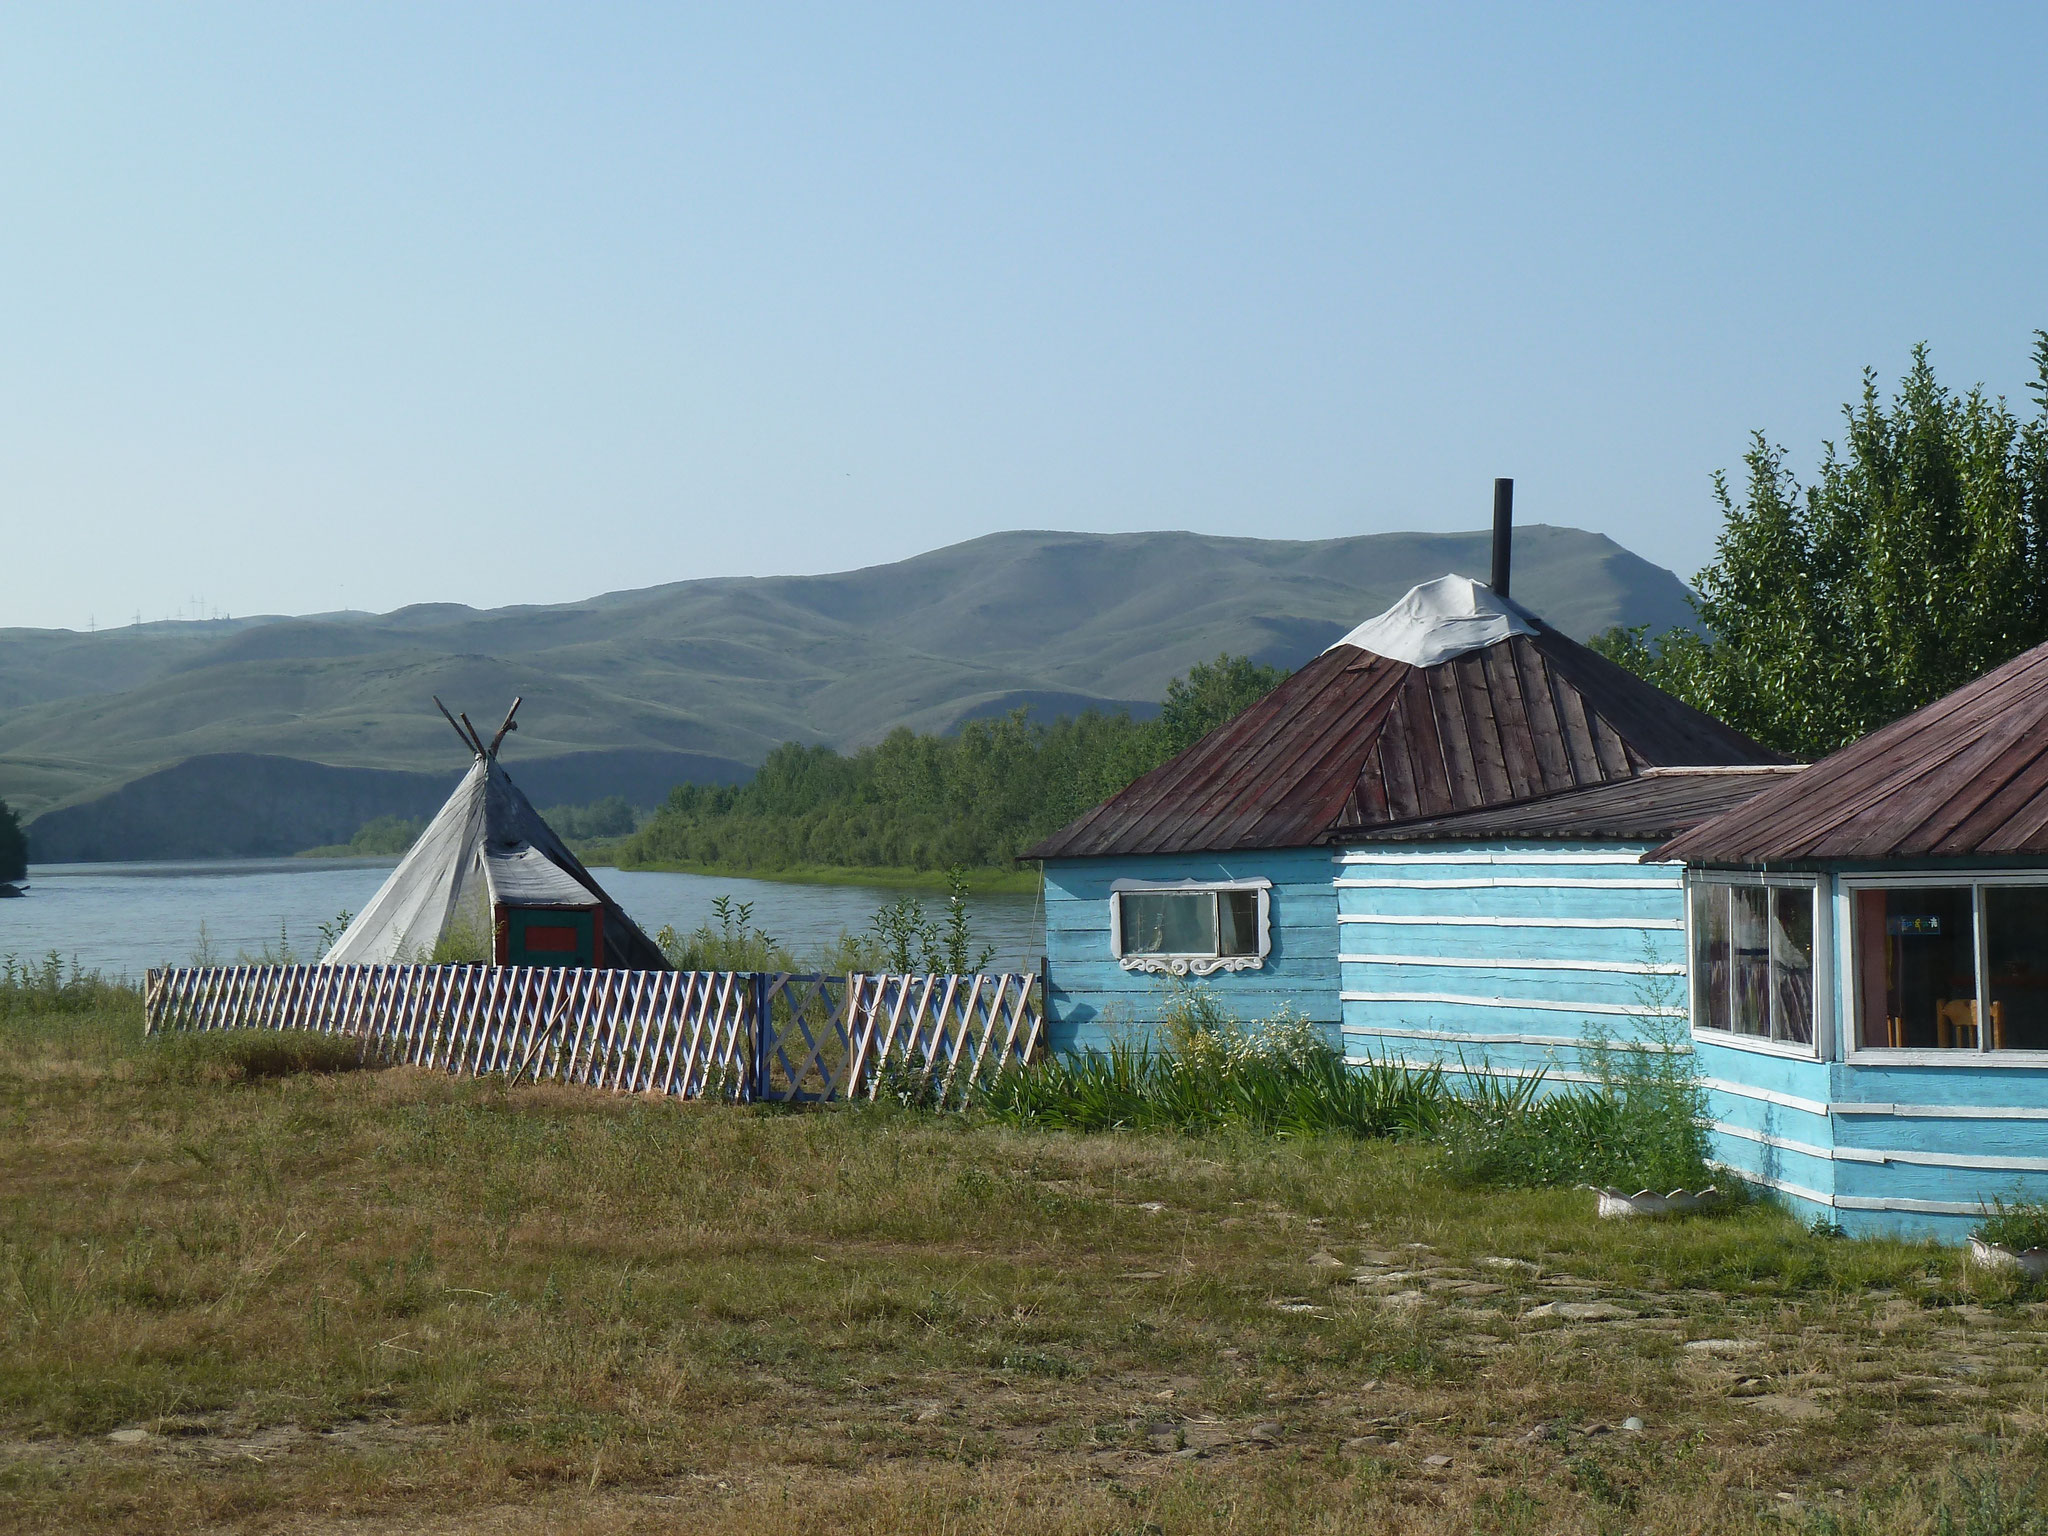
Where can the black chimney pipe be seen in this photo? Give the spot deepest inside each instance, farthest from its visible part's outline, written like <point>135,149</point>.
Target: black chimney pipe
<point>1503,532</point>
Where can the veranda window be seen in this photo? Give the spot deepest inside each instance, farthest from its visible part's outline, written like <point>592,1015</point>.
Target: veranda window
<point>1953,967</point>
<point>1752,958</point>
<point>1188,927</point>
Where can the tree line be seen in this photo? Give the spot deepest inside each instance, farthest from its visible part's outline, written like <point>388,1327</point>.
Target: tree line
<point>971,799</point>
<point>1915,561</point>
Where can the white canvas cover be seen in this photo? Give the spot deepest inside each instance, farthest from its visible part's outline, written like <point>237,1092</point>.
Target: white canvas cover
<point>1441,619</point>
<point>486,847</point>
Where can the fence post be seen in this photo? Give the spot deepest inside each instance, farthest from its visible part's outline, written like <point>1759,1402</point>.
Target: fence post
<point>1044,994</point>
<point>757,983</point>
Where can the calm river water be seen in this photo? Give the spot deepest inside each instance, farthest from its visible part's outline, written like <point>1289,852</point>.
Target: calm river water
<point>123,918</point>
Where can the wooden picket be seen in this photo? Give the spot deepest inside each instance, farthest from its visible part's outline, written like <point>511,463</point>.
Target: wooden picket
<point>948,1034</point>
<point>692,1034</point>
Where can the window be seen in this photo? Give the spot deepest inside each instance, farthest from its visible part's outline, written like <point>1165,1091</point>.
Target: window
<point>1936,963</point>
<point>1752,958</point>
<point>1190,927</point>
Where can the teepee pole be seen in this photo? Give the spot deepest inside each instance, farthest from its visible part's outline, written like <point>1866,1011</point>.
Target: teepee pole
<point>452,725</point>
<point>509,725</point>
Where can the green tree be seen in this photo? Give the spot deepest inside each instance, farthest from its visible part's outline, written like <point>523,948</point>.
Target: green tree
<point>13,844</point>
<point>1917,561</point>
<point>970,800</point>
<point>1212,693</point>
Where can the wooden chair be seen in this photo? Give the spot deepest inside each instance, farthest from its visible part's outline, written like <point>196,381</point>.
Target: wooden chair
<point>1955,1024</point>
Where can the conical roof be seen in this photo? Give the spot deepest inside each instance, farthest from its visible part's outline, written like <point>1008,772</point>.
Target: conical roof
<point>1965,776</point>
<point>1455,699</point>
<point>486,847</point>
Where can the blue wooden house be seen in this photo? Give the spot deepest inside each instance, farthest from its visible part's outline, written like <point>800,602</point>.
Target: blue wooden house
<point>1427,840</point>
<point>1869,965</point>
<point>1459,838</point>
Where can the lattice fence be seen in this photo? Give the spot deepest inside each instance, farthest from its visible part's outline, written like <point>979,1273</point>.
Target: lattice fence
<point>696,1034</point>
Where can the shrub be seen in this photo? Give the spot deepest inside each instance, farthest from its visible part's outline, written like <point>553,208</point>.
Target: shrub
<point>734,945</point>
<point>1642,1124</point>
<point>2018,1224</point>
<point>1277,1076</point>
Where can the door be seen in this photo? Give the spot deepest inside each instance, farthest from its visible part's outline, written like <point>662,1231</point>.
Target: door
<point>551,936</point>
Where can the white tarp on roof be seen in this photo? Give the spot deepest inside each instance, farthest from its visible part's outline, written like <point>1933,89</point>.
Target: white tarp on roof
<point>1441,619</point>
<point>486,847</point>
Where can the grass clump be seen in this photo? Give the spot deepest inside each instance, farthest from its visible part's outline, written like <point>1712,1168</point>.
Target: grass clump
<point>2018,1224</point>
<point>1642,1123</point>
<point>216,1057</point>
<point>1275,1076</point>
<point>49,986</point>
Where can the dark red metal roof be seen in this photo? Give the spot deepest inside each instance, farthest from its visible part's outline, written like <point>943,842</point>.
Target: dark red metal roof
<point>1656,805</point>
<point>1355,740</point>
<point>1967,775</point>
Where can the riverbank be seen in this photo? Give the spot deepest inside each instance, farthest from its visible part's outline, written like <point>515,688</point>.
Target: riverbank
<point>1022,881</point>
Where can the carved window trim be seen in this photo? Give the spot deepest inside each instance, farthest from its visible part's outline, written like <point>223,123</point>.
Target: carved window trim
<point>1208,964</point>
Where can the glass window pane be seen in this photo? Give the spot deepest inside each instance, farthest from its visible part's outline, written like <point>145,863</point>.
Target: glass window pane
<point>1710,955</point>
<point>1792,964</point>
<point>1916,954</point>
<point>2016,945</point>
<point>1169,923</point>
<point>1750,952</point>
<point>1240,913</point>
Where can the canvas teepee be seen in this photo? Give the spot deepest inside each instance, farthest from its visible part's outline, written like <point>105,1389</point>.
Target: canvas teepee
<point>488,864</point>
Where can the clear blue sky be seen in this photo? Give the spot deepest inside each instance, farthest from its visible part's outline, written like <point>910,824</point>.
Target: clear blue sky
<point>309,306</point>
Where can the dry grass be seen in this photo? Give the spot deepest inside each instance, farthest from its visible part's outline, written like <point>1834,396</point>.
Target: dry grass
<point>369,1301</point>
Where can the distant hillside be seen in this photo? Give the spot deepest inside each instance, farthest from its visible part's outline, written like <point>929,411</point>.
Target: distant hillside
<point>726,668</point>
<point>247,805</point>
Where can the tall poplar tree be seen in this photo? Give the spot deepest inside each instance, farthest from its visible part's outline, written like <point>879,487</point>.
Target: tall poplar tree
<point>1916,561</point>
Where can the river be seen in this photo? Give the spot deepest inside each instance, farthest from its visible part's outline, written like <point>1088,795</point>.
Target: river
<point>121,919</point>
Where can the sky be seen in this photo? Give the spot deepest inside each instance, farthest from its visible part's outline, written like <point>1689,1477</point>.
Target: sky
<point>308,307</point>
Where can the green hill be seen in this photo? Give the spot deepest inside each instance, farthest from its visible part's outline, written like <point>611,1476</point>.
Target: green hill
<point>726,668</point>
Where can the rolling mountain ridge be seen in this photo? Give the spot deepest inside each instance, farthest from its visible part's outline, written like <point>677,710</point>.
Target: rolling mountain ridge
<point>709,674</point>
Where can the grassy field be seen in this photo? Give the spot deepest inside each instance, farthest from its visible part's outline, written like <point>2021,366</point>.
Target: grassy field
<point>372,1301</point>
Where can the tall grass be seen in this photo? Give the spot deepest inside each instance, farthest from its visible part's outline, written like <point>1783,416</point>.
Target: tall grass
<point>1641,1123</point>
<point>50,986</point>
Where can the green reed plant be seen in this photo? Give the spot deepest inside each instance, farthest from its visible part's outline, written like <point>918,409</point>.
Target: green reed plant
<point>1641,1122</point>
<point>2018,1223</point>
<point>53,986</point>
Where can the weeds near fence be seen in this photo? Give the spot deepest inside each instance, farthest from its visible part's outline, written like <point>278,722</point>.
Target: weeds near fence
<point>50,986</point>
<point>1641,1123</point>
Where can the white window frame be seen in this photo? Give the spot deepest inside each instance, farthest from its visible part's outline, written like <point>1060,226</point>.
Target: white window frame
<point>1192,964</point>
<point>1823,978</point>
<point>1975,881</point>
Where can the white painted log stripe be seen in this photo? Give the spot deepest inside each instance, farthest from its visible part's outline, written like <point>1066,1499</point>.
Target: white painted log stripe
<point>1617,967</point>
<point>1941,1111</point>
<point>1545,1005</point>
<point>1881,1155</point>
<point>1765,1095</point>
<point>1467,1069</point>
<point>1432,920</point>
<point>1503,882</point>
<point>1859,1202</point>
<point>1463,1037</point>
<point>1496,856</point>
